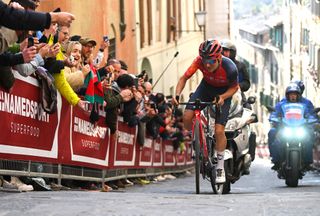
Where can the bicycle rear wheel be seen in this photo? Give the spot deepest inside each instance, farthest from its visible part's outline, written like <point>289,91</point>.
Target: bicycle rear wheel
<point>196,143</point>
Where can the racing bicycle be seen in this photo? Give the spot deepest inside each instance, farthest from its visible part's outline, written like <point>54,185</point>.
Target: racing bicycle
<point>204,144</point>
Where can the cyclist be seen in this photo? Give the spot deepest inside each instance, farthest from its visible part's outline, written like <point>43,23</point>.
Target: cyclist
<point>293,95</point>
<point>220,77</point>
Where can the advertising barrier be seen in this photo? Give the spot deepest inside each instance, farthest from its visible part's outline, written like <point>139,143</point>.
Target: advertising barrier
<point>68,137</point>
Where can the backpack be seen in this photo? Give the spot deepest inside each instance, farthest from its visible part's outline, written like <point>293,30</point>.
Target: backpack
<point>48,92</point>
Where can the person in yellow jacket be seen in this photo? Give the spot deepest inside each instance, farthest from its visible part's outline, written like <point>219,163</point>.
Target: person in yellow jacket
<point>60,80</point>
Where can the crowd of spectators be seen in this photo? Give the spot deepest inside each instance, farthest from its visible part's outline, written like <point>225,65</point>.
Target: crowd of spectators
<point>33,41</point>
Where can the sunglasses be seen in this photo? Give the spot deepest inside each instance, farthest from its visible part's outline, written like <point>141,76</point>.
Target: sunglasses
<point>208,61</point>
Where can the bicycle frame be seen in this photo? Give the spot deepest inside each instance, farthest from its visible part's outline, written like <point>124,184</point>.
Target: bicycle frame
<point>200,136</point>
<point>203,143</point>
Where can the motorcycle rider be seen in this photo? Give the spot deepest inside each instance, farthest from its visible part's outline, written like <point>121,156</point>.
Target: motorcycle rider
<point>293,95</point>
<point>230,50</point>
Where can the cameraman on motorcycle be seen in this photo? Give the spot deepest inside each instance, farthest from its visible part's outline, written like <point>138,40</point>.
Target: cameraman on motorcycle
<point>293,95</point>
<point>229,50</point>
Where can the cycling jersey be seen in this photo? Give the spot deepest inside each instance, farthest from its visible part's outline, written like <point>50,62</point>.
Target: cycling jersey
<point>226,75</point>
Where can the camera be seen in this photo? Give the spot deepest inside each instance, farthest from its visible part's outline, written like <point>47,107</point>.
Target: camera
<point>105,38</point>
<point>153,105</point>
<point>136,82</point>
<point>71,59</point>
<point>30,41</point>
<point>108,77</point>
<point>142,74</point>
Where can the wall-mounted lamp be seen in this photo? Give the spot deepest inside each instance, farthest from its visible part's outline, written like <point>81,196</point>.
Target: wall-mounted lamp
<point>201,21</point>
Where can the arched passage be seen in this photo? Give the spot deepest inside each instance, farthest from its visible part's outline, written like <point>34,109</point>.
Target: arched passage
<point>145,65</point>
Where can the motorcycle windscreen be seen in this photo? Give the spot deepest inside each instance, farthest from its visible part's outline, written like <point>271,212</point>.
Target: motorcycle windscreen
<point>293,114</point>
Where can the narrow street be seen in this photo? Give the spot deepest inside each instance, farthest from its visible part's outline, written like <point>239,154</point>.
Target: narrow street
<point>260,193</point>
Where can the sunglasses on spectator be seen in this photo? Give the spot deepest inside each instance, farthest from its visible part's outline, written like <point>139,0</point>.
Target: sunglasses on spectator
<point>208,61</point>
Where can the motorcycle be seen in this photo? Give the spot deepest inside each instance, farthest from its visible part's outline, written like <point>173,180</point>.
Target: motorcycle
<point>237,157</point>
<point>293,132</point>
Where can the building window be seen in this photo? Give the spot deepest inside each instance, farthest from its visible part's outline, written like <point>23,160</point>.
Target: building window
<point>305,37</point>
<point>122,24</point>
<point>149,12</point>
<point>112,48</point>
<point>141,20</point>
<point>315,7</point>
<point>276,35</point>
<point>158,20</point>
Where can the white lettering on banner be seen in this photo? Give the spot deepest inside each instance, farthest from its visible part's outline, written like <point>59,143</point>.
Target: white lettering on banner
<point>124,151</point>
<point>22,106</point>
<point>147,143</point>
<point>23,129</point>
<point>124,137</point>
<point>168,148</point>
<point>157,147</point>
<point>87,128</point>
<point>90,144</point>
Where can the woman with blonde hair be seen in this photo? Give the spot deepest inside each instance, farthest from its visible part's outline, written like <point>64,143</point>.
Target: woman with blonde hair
<point>75,75</point>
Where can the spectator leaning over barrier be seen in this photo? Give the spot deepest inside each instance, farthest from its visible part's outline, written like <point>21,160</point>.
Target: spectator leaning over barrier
<point>75,75</point>
<point>101,58</point>
<point>129,109</point>
<point>56,67</point>
<point>27,69</point>
<point>13,57</point>
<point>151,118</point>
<point>114,96</point>
<point>92,89</point>
<point>63,36</point>
<point>148,90</point>
<point>113,66</point>
<point>16,18</point>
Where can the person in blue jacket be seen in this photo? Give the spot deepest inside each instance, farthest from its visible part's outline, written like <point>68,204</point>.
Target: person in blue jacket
<point>293,95</point>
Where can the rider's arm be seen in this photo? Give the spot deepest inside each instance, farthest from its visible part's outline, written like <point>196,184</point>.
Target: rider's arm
<point>181,84</point>
<point>233,89</point>
<point>245,82</point>
<point>183,79</point>
<point>232,75</point>
<point>277,112</point>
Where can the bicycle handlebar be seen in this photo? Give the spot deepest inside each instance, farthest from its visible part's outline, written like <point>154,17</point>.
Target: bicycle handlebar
<point>198,102</point>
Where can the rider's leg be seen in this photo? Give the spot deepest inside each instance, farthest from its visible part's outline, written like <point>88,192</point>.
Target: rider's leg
<point>308,147</point>
<point>187,119</point>
<point>275,148</point>
<point>221,143</point>
<point>271,138</point>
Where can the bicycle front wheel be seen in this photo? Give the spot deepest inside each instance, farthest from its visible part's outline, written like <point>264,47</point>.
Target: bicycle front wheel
<point>196,143</point>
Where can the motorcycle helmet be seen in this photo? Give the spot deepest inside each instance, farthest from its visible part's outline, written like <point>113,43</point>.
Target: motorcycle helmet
<point>210,49</point>
<point>229,45</point>
<point>293,87</point>
<point>300,84</point>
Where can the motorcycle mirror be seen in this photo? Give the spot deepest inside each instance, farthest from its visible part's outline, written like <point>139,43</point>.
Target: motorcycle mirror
<point>270,108</point>
<point>251,100</point>
<point>253,119</point>
<point>316,110</point>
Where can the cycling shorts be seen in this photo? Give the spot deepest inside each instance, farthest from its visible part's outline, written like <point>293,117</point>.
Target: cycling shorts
<point>206,93</point>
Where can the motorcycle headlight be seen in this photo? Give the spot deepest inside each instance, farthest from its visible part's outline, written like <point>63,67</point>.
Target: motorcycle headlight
<point>292,133</point>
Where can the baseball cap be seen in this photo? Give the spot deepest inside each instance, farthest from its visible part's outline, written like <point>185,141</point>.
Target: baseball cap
<point>85,41</point>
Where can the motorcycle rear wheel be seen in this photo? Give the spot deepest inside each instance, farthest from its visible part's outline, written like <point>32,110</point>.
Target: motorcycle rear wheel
<point>292,175</point>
